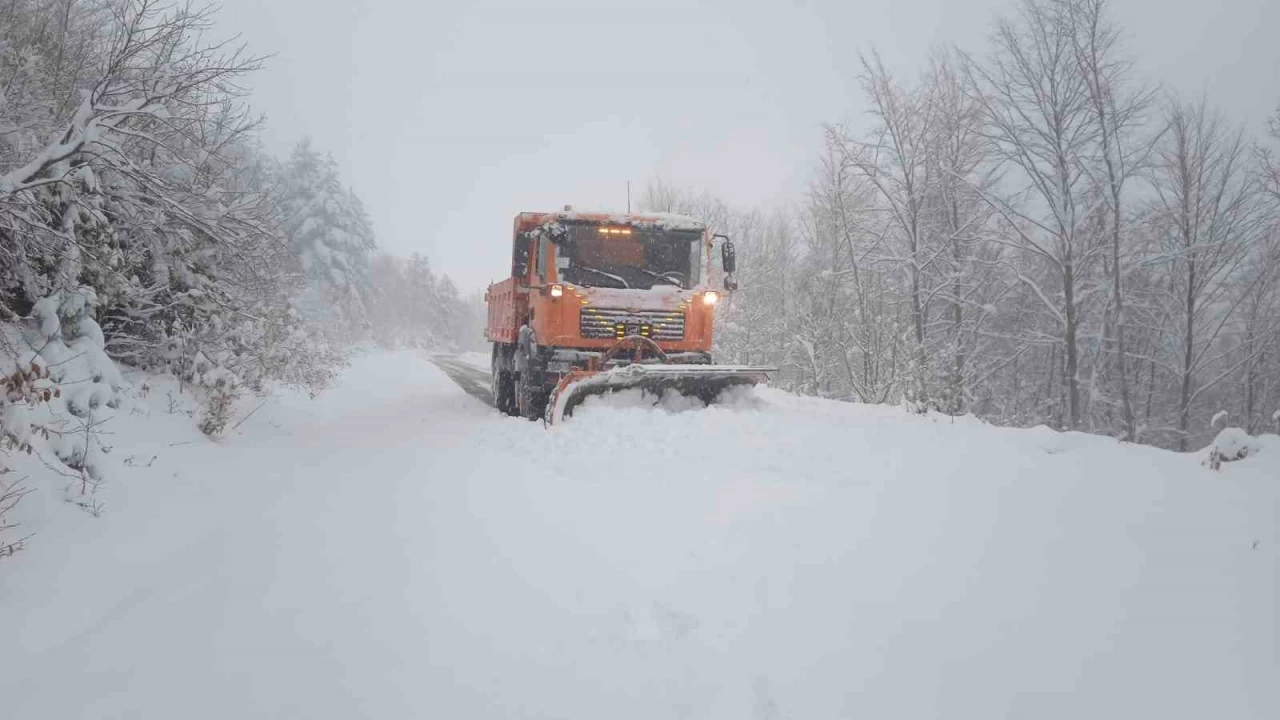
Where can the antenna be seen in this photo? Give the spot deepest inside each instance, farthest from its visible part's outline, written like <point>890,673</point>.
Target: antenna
<point>628,197</point>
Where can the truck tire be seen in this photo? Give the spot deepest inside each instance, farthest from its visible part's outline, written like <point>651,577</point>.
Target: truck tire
<point>531,399</point>
<point>531,395</point>
<point>503,382</point>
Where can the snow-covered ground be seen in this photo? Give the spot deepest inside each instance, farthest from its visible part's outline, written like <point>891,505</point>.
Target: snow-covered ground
<point>396,549</point>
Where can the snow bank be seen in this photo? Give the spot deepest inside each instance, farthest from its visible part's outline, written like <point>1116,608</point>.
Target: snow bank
<point>1230,445</point>
<point>396,549</point>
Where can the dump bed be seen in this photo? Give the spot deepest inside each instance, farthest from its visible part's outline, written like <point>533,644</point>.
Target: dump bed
<point>508,306</point>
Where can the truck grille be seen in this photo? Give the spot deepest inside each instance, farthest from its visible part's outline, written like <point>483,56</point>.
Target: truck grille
<point>600,323</point>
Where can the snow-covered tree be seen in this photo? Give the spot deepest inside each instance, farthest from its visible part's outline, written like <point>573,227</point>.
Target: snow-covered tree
<point>329,230</point>
<point>133,191</point>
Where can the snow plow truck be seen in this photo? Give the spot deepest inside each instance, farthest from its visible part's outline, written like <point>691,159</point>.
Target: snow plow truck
<point>602,302</point>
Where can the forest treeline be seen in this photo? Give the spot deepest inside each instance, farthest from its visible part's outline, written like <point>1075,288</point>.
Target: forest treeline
<point>1027,233</point>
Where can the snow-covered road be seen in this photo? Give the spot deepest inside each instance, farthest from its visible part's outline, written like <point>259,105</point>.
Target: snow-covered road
<point>397,549</point>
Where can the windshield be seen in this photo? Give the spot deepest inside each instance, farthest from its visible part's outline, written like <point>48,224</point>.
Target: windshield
<point>628,257</point>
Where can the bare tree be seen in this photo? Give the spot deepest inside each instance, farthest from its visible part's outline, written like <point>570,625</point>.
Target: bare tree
<point>1118,117</point>
<point>957,154</point>
<point>1271,165</point>
<point>846,243</point>
<point>1209,213</point>
<point>1259,344</point>
<point>893,160</point>
<point>1040,126</point>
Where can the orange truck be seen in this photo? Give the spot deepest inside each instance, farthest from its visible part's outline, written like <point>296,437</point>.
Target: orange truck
<point>600,302</point>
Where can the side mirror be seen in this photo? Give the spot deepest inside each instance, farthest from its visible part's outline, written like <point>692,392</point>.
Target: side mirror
<point>728,261</point>
<point>728,256</point>
<point>520,256</point>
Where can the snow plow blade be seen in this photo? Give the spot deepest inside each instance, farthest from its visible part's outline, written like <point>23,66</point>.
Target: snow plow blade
<point>701,381</point>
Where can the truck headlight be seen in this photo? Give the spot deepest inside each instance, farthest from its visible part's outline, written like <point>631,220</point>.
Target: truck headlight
<point>557,290</point>
<point>710,297</point>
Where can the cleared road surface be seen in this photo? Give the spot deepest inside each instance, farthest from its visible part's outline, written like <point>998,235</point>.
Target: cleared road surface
<point>470,378</point>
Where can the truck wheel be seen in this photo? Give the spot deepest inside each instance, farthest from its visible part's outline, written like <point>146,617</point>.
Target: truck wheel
<point>531,397</point>
<point>502,385</point>
<point>505,399</point>
<point>531,400</point>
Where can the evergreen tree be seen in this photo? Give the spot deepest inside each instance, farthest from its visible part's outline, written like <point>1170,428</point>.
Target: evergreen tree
<point>328,229</point>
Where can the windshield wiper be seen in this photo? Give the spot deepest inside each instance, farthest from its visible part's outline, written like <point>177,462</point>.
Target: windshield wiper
<point>608,275</point>
<point>653,274</point>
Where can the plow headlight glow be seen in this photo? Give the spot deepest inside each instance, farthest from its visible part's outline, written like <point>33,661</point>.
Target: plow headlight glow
<point>710,297</point>
<point>557,290</point>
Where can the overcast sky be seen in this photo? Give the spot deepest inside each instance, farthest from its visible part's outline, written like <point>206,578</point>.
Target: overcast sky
<point>451,117</point>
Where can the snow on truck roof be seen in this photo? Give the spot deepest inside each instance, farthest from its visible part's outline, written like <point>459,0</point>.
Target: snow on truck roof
<point>528,221</point>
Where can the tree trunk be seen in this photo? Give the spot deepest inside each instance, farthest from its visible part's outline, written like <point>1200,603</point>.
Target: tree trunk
<point>1130,423</point>
<point>957,317</point>
<point>1188,356</point>
<point>917,320</point>
<point>1251,424</point>
<point>1070,378</point>
<point>1151,390</point>
<point>917,310</point>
